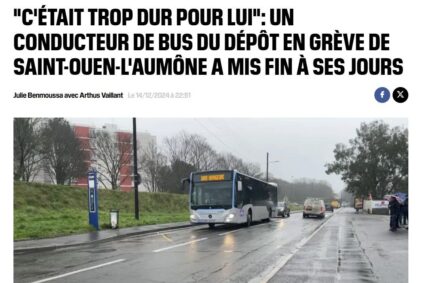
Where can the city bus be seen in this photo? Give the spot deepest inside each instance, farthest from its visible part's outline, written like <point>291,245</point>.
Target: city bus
<point>229,197</point>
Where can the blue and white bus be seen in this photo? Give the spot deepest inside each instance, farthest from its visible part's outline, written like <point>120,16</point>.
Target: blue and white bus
<point>229,197</point>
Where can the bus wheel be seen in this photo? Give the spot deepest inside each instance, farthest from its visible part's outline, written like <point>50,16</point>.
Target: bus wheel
<point>248,219</point>
<point>211,225</point>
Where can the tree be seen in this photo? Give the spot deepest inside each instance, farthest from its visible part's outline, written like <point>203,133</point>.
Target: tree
<point>113,152</point>
<point>301,189</point>
<point>178,147</point>
<point>171,176</point>
<point>26,148</point>
<point>151,162</point>
<point>228,162</point>
<point>191,152</point>
<point>191,149</point>
<point>202,156</point>
<point>375,162</point>
<point>62,154</point>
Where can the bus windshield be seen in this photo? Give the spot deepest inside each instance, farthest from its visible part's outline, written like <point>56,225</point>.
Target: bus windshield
<point>211,195</point>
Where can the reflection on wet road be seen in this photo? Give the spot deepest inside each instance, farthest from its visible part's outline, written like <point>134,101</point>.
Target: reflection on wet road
<point>282,250</point>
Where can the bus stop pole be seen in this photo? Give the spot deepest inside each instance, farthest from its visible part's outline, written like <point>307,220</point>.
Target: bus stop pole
<point>136,175</point>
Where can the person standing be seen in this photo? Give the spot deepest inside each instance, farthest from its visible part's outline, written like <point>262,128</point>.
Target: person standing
<point>406,211</point>
<point>400,215</point>
<point>394,208</point>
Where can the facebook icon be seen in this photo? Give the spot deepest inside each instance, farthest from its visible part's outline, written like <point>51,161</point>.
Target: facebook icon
<point>382,95</point>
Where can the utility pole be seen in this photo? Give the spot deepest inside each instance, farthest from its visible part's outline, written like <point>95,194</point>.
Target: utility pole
<point>267,166</point>
<point>136,175</point>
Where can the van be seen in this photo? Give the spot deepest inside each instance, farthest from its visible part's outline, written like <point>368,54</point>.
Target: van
<point>314,207</point>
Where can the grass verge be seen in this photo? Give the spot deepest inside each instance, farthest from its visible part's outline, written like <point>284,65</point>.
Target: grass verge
<point>42,211</point>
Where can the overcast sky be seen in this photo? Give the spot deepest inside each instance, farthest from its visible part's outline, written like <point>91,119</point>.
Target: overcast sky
<point>298,147</point>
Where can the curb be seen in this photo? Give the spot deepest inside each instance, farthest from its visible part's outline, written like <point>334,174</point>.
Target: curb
<point>111,238</point>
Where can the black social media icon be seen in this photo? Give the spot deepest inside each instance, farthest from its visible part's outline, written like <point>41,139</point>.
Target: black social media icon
<point>400,94</point>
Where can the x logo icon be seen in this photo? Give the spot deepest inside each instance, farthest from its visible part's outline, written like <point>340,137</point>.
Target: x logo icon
<point>400,94</point>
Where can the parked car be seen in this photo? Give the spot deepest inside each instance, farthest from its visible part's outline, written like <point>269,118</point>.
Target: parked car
<point>329,207</point>
<point>283,209</point>
<point>314,207</point>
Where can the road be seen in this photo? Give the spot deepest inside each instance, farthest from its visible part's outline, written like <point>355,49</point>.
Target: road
<point>282,250</point>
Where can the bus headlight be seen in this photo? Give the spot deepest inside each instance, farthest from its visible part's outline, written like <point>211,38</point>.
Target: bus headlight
<point>230,217</point>
<point>192,217</point>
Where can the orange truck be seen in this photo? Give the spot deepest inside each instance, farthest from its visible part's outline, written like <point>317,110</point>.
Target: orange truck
<point>335,204</point>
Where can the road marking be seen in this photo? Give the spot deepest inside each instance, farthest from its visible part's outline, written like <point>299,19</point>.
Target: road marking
<point>155,234</point>
<point>78,271</point>
<point>225,233</point>
<point>179,245</point>
<point>167,238</point>
<point>267,274</point>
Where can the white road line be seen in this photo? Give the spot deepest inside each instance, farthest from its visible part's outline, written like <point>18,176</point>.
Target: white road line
<point>78,271</point>
<point>179,245</point>
<point>267,274</point>
<point>222,234</point>
<point>155,234</point>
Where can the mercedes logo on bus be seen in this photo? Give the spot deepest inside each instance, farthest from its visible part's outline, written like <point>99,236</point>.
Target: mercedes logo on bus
<point>210,216</point>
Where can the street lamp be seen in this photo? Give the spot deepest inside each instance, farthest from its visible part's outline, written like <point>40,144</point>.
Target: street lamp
<point>267,166</point>
<point>136,174</point>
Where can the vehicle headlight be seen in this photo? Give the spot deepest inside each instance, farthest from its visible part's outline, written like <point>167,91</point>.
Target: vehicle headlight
<point>229,217</point>
<point>192,217</point>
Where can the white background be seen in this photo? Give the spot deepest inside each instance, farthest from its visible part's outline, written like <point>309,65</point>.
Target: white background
<point>230,96</point>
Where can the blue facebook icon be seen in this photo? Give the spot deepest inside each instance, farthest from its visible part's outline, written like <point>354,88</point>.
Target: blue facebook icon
<point>382,95</point>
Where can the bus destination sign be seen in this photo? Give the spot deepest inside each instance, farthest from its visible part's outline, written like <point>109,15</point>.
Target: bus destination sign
<point>216,177</point>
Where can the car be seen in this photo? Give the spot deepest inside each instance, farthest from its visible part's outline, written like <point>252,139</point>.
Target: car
<point>314,207</point>
<point>329,207</point>
<point>283,209</point>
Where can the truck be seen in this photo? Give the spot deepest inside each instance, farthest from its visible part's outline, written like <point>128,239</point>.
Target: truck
<point>335,204</point>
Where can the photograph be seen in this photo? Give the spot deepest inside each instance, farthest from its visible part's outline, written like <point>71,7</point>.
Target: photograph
<point>210,199</point>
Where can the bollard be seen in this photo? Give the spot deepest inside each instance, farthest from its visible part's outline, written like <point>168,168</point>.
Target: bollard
<point>114,218</point>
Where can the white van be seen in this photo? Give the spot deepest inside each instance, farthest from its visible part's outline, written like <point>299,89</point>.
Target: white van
<point>314,207</point>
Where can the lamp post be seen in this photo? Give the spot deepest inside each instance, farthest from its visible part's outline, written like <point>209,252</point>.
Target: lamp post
<point>267,166</point>
<point>136,175</point>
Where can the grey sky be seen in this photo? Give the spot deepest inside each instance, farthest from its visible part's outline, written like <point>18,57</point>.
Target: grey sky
<point>300,145</point>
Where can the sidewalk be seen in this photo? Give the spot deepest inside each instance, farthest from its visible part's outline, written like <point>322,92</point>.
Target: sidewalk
<point>387,251</point>
<point>350,247</point>
<point>92,237</point>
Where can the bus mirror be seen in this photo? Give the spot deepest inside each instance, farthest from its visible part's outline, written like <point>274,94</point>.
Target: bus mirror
<point>239,186</point>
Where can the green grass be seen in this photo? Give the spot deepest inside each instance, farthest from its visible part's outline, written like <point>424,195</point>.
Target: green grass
<point>42,211</point>
<point>294,207</point>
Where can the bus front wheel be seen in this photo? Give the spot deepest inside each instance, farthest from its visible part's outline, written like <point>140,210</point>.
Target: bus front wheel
<point>248,219</point>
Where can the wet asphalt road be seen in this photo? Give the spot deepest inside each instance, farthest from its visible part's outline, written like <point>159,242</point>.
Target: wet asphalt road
<point>282,250</point>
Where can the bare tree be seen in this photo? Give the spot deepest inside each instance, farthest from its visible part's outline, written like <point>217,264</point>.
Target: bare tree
<point>202,156</point>
<point>151,162</point>
<point>26,145</point>
<point>113,152</point>
<point>191,149</point>
<point>228,162</point>
<point>178,147</point>
<point>253,170</point>
<point>62,154</point>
